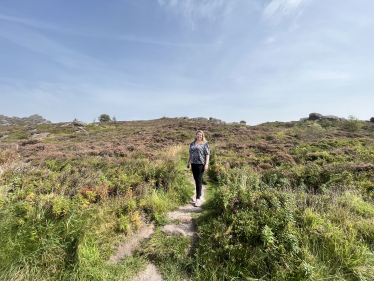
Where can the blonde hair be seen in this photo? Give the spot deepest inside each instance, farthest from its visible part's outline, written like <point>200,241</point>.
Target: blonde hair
<point>199,131</point>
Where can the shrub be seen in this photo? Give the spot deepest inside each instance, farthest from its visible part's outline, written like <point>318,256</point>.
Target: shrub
<point>353,124</point>
<point>104,118</point>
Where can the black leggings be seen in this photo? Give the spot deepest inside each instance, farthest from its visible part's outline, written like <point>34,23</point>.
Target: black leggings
<point>198,171</point>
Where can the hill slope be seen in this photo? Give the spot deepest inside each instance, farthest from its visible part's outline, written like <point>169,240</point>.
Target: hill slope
<point>288,201</point>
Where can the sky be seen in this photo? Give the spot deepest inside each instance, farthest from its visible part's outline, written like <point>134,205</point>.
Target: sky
<point>252,60</point>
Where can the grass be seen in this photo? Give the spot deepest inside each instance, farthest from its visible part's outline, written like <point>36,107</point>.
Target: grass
<point>286,201</point>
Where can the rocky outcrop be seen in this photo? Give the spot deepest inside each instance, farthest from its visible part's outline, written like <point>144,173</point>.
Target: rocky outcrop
<point>17,121</point>
<point>332,118</point>
<point>199,119</point>
<point>215,120</point>
<point>243,122</point>
<point>80,123</point>
<point>315,116</point>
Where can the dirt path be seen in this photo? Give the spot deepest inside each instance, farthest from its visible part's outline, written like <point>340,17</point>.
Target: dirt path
<point>127,248</point>
<point>187,227</point>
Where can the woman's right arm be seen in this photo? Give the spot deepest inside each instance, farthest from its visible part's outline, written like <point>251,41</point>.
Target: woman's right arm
<point>188,160</point>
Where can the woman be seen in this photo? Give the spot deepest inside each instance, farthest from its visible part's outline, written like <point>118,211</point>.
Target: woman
<point>199,157</point>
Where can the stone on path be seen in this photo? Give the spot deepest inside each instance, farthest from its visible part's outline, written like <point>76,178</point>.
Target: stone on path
<point>185,219</point>
<point>173,229</point>
<point>150,274</point>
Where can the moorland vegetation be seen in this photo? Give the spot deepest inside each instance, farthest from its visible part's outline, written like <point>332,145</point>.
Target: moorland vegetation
<point>286,200</point>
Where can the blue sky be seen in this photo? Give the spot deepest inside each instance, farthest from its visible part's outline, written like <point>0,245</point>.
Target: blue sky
<point>253,60</point>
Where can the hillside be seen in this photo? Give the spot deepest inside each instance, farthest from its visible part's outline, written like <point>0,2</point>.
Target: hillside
<point>286,200</point>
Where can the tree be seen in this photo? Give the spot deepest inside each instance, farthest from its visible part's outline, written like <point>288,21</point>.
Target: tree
<point>114,119</point>
<point>104,118</point>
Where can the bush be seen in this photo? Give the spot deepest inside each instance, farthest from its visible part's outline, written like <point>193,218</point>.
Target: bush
<point>353,124</point>
<point>104,118</point>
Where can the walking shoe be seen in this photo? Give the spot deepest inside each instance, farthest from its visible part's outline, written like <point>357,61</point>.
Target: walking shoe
<point>198,203</point>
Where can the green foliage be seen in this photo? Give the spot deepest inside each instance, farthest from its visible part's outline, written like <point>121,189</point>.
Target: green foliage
<point>353,124</point>
<point>104,118</point>
<point>262,230</point>
<point>290,201</point>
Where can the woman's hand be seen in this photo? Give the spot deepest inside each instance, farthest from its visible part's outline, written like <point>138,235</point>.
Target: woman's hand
<point>188,166</point>
<point>206,167</point>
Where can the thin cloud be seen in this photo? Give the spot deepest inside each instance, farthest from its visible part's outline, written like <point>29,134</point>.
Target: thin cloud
<point>157,42</point>
<point>194,10</point>
<point>277,10</point>
<point>35,23</point>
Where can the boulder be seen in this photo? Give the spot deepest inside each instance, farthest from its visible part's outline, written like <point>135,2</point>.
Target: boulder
<point>372,119</point>
<point>199,119</point>
<point>343,119</point>
<point>315,116</point>
<point>69,125</point>
<point>17,121</point>
<point>38,136</point>
<point>4,136</point>
<point>215,120</point>
<point>80,123</point>
<point>80,129</point>
<point>243,122</point>
<point>184,118</point>
<point>332,118</point>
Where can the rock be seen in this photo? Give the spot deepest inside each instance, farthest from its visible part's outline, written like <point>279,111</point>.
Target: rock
<point>173,230</point>
<point>243,122</point>
<point>80,129</point>
<point>343,119</point>
<point>315,116</point>
<point>4,136</point>
<point>372,119</point>
<point>80,123</point>
<point>332,118</point>
<point>184,118</point>
<point>303,119</point>
<point>17,121</point>
<point>69,125</point>
<point>185,219</point>
<point>38,136</point>
<point>214,120</point>
<point>149,274</point>
<point>199,119</point>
